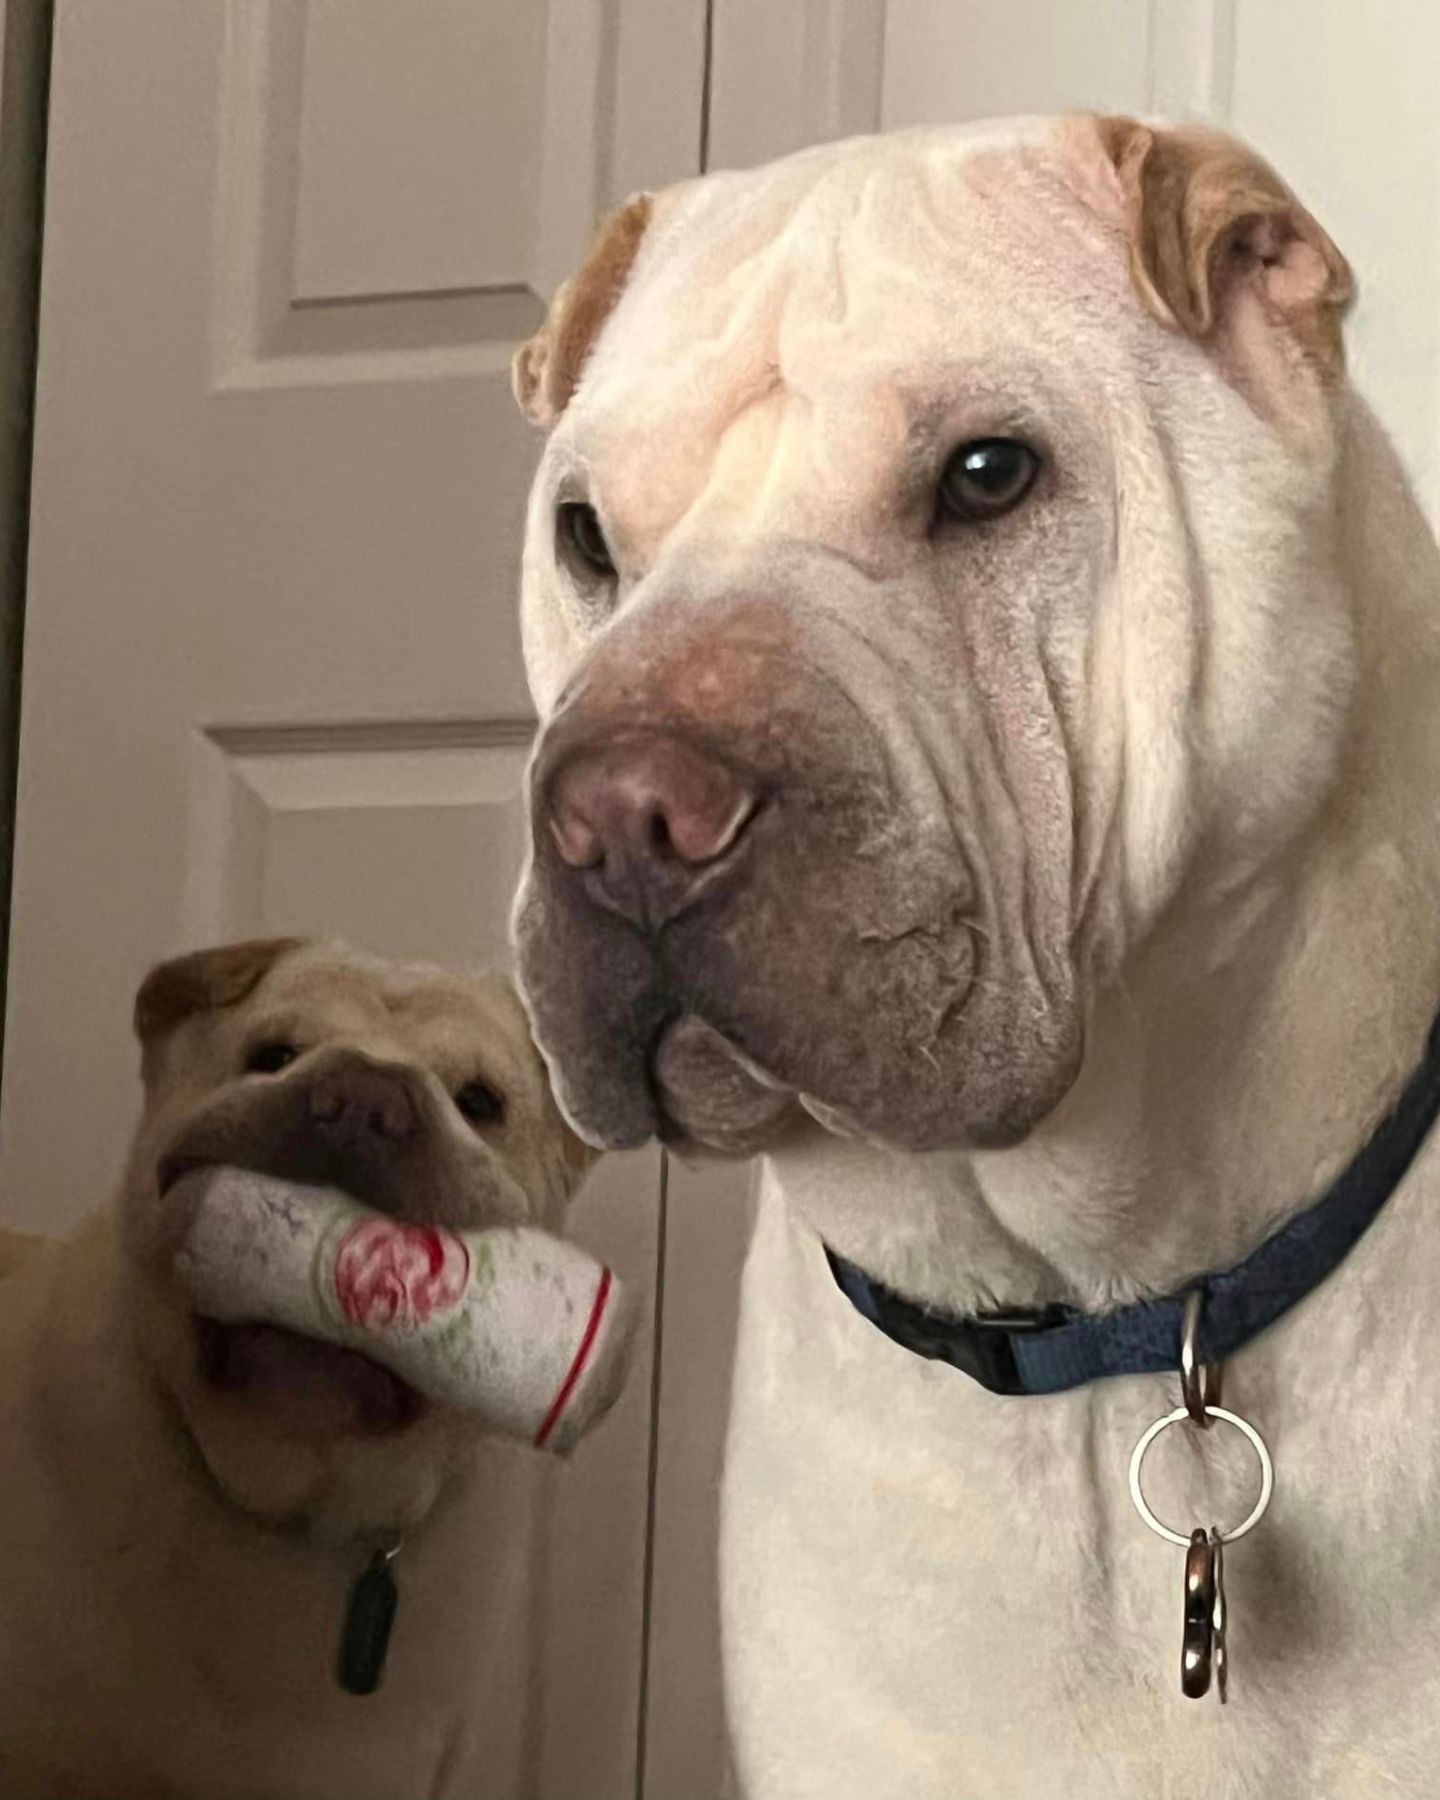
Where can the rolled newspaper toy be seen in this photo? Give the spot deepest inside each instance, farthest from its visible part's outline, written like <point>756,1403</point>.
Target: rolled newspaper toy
<point>528,1332</point>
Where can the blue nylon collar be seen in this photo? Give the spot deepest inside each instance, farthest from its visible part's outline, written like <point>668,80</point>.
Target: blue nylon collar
<point>1058,1347</point>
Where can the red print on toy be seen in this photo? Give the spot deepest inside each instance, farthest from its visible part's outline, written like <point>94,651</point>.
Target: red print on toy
<point>399,1276</point>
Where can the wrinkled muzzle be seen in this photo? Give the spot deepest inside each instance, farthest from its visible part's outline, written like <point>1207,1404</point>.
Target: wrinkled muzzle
<point>746,901</point>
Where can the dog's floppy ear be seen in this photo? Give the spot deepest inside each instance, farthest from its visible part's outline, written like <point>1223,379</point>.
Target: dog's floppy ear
<point>1212,227</point>
<point>177,990</point>
<point>546,370</point>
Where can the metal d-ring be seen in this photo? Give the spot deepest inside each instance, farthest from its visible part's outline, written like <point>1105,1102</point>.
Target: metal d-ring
<point>1199,1382</point>
<point>1257,1444</point>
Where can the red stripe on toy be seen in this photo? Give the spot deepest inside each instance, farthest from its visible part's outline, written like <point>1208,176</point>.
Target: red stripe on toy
<point>582,1356</point>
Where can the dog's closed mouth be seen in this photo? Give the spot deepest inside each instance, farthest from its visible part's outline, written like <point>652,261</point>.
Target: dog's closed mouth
<point>304,1383</point>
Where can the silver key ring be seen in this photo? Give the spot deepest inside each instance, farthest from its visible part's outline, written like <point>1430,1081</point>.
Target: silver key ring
<point>1257,1443</point>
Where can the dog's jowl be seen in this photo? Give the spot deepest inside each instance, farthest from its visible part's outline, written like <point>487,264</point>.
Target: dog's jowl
<point>990,668</point>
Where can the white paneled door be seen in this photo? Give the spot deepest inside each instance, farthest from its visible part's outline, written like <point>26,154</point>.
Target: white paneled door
<point>272,679</point>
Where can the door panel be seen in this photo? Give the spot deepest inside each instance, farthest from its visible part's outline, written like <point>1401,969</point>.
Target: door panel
<point>384,123</point>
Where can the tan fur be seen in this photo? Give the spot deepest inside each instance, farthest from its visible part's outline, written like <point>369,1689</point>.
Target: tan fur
<point>185,985</point>
<point>1206,214</point>
<point>16,1249</point>
<point>174,990</point>
<point>546,370</point>
<point>177,1557</point>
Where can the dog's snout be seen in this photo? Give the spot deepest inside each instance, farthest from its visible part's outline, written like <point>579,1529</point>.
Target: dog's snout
<point>359,1103</point>
<point>650,817</point>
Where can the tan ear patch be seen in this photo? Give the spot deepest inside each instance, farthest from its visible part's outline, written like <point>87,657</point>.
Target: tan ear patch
<point>1206,217</point>
<point>177,990</point>
<point>546,371</point>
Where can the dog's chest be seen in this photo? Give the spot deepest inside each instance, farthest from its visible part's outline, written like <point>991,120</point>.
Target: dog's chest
<point>937,1592</point>
<point>159,1662</point>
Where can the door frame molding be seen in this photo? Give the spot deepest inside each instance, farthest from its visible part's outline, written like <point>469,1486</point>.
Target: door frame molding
<point>26,34</point>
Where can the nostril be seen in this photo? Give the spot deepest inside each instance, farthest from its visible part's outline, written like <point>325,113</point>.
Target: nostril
<point>393,1118</point>
<point>326,1104</point>
<point>576,839</point>
<point>702,831</point>
<point>661,841</point>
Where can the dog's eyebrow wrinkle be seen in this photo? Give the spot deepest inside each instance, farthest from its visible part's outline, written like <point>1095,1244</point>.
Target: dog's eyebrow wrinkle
<point>933,215</point>
<point>840,312</point>
<point>870,571</point>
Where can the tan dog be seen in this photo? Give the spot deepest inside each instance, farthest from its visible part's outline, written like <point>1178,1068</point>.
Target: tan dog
<point>991,667</point>
<point>183,1507</point>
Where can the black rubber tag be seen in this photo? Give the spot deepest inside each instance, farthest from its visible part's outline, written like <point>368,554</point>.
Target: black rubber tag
<point>365,1636</point>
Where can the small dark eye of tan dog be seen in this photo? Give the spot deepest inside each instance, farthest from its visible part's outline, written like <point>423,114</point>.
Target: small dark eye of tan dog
<point>581,543</point>
<point>985,478</point>
<point>270,1057</point>
<point>479,1104</point>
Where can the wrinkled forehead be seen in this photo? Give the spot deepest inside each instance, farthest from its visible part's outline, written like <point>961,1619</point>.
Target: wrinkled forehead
<point>872,282</point>
<point>414,1004</point>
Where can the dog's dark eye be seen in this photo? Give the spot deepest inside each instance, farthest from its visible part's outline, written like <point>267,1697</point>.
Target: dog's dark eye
<point>582,542</point>
<point>478,1102</point>
<point>986,478</point>
<point>270,1058</point>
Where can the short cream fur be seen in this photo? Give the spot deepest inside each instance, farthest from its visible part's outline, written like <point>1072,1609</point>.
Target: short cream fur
<point>1178,727</point>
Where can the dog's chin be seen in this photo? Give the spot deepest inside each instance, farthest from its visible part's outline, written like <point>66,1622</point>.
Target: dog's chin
<point>709,1098</point>
<point>296,1385</point>
<point>299,1435</point>
<point>713,1099</point>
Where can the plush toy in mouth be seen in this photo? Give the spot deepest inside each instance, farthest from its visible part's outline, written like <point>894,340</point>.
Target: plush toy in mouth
<point>525,1331</point>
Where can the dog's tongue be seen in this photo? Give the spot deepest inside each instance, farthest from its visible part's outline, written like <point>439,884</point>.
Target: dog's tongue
<point>304,1385</point>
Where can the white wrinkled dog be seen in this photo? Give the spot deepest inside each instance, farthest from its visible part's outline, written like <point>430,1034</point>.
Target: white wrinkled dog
<point>990,662</point>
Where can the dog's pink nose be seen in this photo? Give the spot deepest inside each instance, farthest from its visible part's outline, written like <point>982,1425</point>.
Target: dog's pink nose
<point>650,817</point>
<point>358,1103</point>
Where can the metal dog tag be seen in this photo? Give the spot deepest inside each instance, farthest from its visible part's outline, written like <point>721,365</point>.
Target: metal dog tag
<point>1204,1655</point>
<point>369,1616</point>
<point>1197,1640</point>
